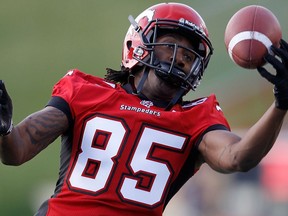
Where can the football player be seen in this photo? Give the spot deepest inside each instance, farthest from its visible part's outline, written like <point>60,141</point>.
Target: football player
<point>130,141</point>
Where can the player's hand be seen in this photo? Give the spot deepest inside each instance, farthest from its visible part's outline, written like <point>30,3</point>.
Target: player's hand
<point>280,79</point>
<point>6,109</point>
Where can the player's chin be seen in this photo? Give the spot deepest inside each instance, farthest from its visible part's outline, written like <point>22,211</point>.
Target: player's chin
<point>168,88</point>
<point>170,84</point>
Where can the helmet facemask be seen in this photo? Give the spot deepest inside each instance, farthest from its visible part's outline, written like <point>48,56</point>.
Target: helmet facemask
<point>168,71</point>
<point>143,38</point>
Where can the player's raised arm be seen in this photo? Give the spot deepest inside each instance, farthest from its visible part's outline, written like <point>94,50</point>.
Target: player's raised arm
<point>21,143</point>
<point>226,152</point>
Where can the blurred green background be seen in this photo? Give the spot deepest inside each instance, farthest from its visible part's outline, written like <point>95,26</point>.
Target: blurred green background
<point>40,40</point>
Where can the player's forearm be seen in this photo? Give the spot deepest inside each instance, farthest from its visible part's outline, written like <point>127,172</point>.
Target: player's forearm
<point>32,135</point>
<point>11,152</point>
<point>259,139</point>
<point>18,147</point>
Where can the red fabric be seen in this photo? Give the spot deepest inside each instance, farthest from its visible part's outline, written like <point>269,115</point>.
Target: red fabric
<point>126,152</point>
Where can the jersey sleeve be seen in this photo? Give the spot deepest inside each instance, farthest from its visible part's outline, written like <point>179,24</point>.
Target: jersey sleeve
<point>69,85</point>
<point>67,89</point>
<point>216,118</point>
<point>64,91</point>
<point>208,116</point>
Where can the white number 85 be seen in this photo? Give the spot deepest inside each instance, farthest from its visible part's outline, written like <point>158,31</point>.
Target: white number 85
<point>103,159</point>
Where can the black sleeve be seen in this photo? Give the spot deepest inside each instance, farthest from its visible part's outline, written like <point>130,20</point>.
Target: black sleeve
<point>211,128</point>
<point>62,105</point>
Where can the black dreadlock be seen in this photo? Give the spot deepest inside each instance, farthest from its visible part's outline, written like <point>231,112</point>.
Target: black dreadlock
<point>120,76</point>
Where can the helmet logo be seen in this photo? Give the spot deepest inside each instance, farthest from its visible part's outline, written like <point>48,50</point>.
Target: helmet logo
<point>149,14</point>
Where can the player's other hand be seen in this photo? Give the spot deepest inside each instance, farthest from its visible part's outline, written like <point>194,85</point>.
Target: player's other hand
<point>6,109</point>
<point>280,79</point>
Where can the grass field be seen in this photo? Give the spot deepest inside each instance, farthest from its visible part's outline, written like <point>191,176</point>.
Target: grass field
<point>41,40</point>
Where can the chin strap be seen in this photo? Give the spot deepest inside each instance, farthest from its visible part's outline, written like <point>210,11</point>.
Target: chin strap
<point>131,80</point>
<point>176,98</point>
<point>137,91</point>
<point>143,79</point>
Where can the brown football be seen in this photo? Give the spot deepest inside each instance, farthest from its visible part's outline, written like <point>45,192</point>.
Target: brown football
<point>249,35</point>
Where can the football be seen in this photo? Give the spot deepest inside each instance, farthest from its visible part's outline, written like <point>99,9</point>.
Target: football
<point>249,35</point>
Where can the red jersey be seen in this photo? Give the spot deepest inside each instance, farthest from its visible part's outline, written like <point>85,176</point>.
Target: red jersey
<point>123,155</point>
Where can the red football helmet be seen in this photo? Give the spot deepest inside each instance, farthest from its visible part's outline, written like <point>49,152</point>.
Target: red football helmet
<point>140,41</point>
